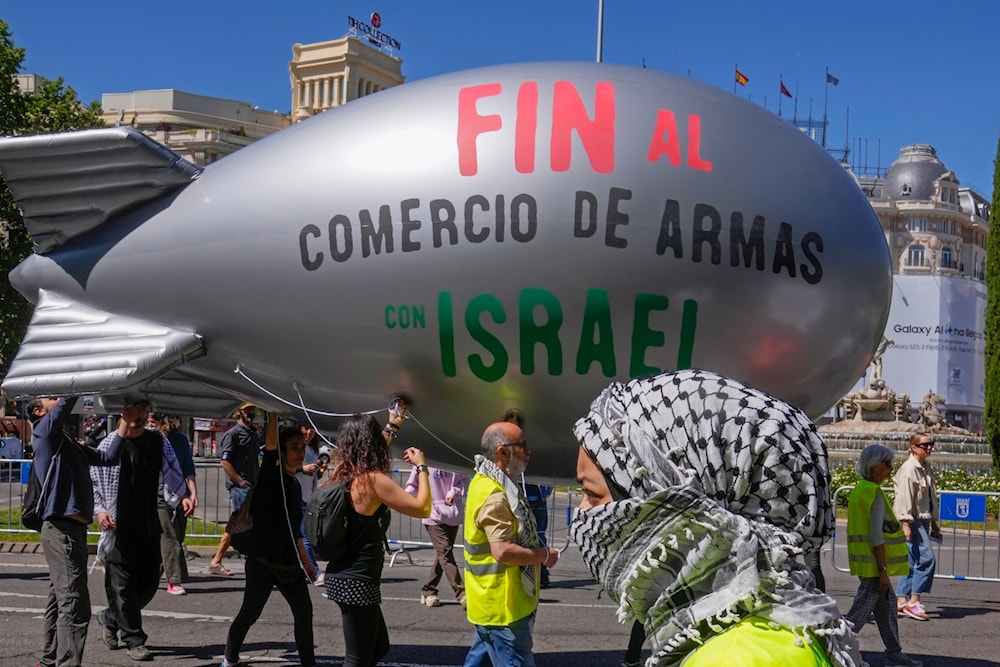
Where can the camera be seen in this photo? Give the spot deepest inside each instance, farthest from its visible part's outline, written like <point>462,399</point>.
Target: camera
<point>324,454</point>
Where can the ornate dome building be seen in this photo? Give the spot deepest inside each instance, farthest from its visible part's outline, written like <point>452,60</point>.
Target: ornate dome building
<point>936,233</point>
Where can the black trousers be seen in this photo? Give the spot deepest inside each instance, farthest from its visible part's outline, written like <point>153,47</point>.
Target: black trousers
<point>366,639</point>
<point>260,581</point>
<point>131,576</point>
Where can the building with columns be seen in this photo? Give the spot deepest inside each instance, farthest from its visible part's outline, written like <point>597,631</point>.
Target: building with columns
<point>203,129</point>
<point>936,232</point>
<point>328,74</point>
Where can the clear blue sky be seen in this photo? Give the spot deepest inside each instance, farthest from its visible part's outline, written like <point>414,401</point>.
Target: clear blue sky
<point>910,72</point>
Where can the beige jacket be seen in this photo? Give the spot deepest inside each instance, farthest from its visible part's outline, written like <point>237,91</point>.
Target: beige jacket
<point>916,494</point>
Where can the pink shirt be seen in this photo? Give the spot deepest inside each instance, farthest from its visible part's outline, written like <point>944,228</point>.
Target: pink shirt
<point>445,484</point>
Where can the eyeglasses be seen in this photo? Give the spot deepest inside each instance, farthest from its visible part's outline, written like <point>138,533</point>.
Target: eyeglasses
<point>519,444</point>
<point>925,445</point>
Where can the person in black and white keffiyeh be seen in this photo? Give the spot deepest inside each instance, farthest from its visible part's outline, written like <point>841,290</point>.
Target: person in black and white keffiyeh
<point>699,494</point>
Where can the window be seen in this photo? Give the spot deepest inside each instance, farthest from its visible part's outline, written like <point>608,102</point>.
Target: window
<point>946,258</point>
<point>918,224</point>
<point>948,227</point>
<point>915,256</point>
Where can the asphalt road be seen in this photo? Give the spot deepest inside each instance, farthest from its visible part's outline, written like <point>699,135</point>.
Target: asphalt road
<point>575,626</point>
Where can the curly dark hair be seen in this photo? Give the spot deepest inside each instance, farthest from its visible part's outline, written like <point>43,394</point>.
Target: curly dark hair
<point>362,448</point>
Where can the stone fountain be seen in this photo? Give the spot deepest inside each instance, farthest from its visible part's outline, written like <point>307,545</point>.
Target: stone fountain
<point>877,414</point>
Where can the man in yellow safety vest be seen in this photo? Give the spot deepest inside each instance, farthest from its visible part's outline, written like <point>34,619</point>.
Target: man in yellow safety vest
<point>502,552</point>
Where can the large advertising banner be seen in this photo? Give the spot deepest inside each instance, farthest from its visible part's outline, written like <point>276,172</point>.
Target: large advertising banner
<point>937,325</point>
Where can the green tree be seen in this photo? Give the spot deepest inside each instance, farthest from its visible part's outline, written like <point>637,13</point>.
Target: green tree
<point>991,416</point>
<point>53,107</point>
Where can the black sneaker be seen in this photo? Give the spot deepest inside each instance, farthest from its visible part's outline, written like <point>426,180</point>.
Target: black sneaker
<point>139,653</point>
<point>902,660</point>
<point>108,635</point>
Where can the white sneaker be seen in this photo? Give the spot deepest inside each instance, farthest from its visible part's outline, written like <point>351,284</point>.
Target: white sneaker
<point>430,600</point>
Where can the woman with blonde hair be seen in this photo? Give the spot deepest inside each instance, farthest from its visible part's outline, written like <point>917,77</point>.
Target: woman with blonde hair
<point>916,505</point>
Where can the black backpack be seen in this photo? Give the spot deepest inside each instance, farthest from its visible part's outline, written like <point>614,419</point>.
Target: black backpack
<point>33,505</point>
<point>326,520</point>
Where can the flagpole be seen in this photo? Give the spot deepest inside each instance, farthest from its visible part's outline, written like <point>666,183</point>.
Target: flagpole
<point>826,92</point>
<point>780,95</point>
<point>812,128</point>
<point>736,68</point>
<point>847,129</point>
<point>795,102</point>
<point>600,30</point>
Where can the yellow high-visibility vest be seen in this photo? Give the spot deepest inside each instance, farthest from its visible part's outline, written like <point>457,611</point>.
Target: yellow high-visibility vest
<point>753,642</point>
<point>495,593</point>
<point>860,555</point>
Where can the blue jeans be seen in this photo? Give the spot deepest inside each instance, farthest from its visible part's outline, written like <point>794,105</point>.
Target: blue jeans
<point>305,541</point>
<point>237,495</point>
<point>922,563</point>
<point>506,645</point>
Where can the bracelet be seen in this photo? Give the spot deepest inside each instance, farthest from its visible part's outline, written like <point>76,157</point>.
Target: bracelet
<point>422,468</point>
<point>882,569</point>
<point>390,429</point>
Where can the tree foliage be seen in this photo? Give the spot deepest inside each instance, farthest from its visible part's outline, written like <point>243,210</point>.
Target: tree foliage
<point>52,107</point>
<point>991,416</point>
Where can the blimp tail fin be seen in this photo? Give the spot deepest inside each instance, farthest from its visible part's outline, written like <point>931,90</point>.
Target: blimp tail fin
<point>74,350</point>
<point>72,182</point>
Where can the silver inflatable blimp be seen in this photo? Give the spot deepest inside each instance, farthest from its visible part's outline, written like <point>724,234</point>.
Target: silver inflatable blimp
<point>514,236</point>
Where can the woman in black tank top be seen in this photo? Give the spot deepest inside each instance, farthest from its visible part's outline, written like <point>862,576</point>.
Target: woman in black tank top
<point>353,580</point>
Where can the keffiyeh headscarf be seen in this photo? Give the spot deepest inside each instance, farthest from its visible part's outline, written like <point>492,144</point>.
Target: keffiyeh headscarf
<point>718,487</point>
<point>527,532</point>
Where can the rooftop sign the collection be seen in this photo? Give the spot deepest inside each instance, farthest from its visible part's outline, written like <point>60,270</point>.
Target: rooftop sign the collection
<point>373,34</point>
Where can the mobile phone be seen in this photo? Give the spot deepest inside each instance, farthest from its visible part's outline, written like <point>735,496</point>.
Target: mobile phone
<point>396,408</point>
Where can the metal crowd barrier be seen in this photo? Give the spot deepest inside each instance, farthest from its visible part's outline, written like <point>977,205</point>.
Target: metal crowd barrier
<point>969,549</point>
<point>209,521</point>
<point>210,517</point>
<point>407,534</point>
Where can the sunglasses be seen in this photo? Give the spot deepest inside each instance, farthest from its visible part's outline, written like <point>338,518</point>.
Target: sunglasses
<point>926,445</point>
<point>519,444</point>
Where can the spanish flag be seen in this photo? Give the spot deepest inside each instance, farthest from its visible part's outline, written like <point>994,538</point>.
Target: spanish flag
<point>784,91</point>
<point>741,78</point>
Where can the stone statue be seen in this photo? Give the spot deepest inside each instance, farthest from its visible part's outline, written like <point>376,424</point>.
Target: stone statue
<point>877,359</point>
<point>930,416</point>
<point>875,402</point>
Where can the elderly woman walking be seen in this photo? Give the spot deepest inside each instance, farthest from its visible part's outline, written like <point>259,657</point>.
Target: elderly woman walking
<point>875,551</point>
